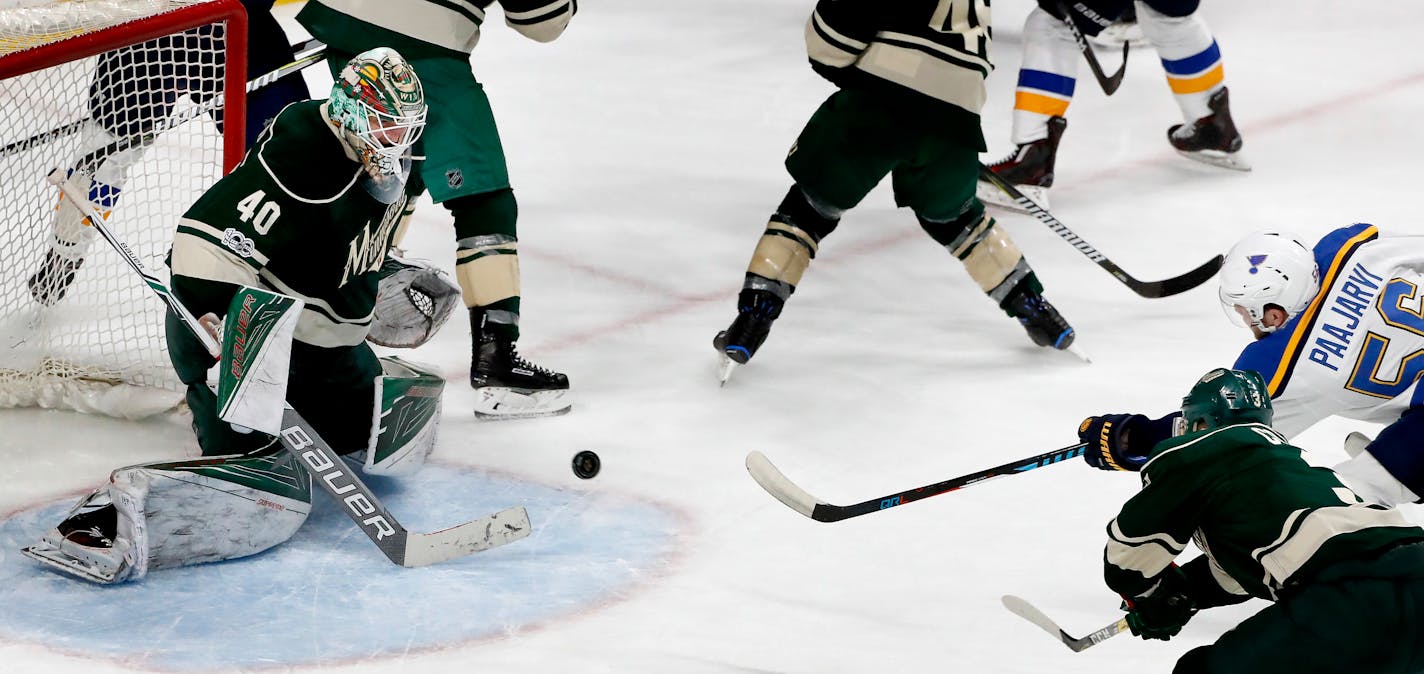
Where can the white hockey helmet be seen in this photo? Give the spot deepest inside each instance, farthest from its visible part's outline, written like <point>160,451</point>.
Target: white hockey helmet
<point>379,105</point>
<point>1267,269</point>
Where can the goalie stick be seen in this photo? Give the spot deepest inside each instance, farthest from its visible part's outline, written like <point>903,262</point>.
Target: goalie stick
<point>308,53</point>
<point>329,471</point>
<point>1108,83</point>
<point>1023,609</point>
<point>1150,289</point>
<point>796,498</point>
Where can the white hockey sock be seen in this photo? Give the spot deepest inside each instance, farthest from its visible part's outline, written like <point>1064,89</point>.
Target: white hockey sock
<point>1189,56</point>
<point>1046,78</point>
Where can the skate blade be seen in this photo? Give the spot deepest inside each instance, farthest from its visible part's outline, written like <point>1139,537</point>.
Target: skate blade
<point>993,196</point>
<point>1079,352</point>
<point>499,403</point>
<point>68,564</point>
<point>724,369</point>
<point>1233,160</point>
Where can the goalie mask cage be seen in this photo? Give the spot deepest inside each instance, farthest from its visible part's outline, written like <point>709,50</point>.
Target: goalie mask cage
<point>140,101</point>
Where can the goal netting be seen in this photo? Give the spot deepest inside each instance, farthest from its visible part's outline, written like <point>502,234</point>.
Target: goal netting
<point>129,100</point>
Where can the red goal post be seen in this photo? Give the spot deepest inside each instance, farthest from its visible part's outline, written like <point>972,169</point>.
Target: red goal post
<point>142,101</point>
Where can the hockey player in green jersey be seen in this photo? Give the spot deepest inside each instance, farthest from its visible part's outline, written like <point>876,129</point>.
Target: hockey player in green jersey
<point>464,170</point>
<point>289,249</point>
<point>1346,577</point>
<point>911,84</point>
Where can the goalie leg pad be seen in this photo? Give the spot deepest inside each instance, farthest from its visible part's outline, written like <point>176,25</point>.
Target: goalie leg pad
<point>180,513</point>
<point>414,301</point>
<point>407,418</point>
<point>208,510</point>
<point>989,255</point>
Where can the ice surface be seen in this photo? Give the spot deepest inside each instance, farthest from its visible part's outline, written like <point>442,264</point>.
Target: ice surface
<point>645,149</point>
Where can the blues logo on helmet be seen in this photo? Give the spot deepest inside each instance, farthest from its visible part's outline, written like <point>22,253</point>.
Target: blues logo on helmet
<point>1266,269</point>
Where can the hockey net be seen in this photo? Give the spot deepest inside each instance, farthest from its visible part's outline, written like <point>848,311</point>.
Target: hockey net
<point>130,100</point>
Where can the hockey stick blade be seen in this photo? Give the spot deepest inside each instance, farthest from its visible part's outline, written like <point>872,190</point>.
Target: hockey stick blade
<point>328,470</point>
<point>1109,83</point>
<point>505,526</point>
<point>778,485</point>
<point>1148,289</point>
<point>1029,612</point>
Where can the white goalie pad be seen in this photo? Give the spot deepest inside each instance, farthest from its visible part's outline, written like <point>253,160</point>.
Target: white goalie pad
<point>407,418</point>
<point>188,512</point>
<point>414,300</point>
<point>256,358</point>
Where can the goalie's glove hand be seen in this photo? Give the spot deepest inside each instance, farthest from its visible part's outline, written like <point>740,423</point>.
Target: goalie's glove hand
<point>1107,440</point>
<point>1164,610</point>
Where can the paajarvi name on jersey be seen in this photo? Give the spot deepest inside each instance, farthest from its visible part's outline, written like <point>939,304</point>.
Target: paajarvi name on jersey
<point>1347,310</point>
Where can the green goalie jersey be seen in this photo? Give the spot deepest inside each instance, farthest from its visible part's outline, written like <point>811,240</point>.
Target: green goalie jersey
<point>1265,519</point>
<point>294,218</point>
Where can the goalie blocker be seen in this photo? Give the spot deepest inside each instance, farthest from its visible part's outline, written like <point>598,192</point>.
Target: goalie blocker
<point>167,514</point>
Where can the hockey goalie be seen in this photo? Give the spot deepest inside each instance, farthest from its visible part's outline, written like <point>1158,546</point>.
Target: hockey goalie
<point>286,261</point>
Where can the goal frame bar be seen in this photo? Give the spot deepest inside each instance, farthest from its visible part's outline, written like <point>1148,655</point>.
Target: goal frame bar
<point>158,25</point>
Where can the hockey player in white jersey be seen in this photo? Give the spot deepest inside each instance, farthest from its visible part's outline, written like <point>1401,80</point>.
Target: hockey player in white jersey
<point>1339,331</point>
<point>1047,79</point>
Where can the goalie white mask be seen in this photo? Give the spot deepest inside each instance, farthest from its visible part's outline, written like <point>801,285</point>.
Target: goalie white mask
<point>378,104</point>
<point>1266,269</point>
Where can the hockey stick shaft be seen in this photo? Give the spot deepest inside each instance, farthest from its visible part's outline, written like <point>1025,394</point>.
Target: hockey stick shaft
<point>1150,289</point>
<point>1021,608</point>
<point>401,546</point>
<point>796,498</point>
<point>308,53</point>
<point>1109,83</point>
<point>311,52</point>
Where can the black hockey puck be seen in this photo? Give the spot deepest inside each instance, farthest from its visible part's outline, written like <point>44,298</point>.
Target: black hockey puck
<point>586,464</point>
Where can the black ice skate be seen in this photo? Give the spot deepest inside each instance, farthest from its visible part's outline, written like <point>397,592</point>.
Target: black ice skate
<point>1212,139</point>
<point>756,311</point>
<point>510,387</point>
<point>1029,168</point>
<point>85,543</point>
<point>51,281</point>
<point>1045,326</point>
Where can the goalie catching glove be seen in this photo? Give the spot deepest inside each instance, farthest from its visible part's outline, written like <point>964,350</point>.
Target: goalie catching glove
<point>414,300</point>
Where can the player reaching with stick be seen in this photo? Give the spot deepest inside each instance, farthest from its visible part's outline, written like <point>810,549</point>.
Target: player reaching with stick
<point>1338,332</point>
<point>1346,577</point>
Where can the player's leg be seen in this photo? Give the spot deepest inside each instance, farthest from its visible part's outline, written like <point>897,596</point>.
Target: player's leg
<point>1391,469</point>
<point>781,256</point>
<point>846,148</point>
<point>1047,79</point>
<point>129,92</point>
<point>940,190</point>
<point>465,171</point>
<point>1305,632</point>
<point>267,50</point>
<point>168,514</point>
<point>1192,60</point>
